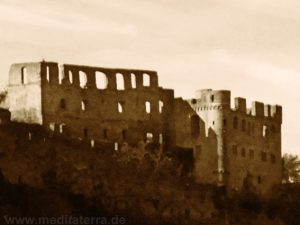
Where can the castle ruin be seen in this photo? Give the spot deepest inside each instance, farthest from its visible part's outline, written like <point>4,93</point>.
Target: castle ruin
<point>114,106</point>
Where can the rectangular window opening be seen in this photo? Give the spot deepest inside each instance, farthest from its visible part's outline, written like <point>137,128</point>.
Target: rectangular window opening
<point>124,135</point>
<point>149,137</point>
<point>120,107</point>
<point>105,133</point>
<point>83,105</point>
<point>160,106</point>
<point>148,107</point>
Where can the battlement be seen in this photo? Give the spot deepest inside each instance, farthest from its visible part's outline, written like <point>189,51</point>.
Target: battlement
<point>82,76</point>
<point>258,109</point>
<point>207,97</point>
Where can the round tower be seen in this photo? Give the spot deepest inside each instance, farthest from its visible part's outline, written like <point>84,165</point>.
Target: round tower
<point>217,104</point>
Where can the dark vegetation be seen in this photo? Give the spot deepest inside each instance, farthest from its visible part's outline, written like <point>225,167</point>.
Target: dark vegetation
<point>45,175</point>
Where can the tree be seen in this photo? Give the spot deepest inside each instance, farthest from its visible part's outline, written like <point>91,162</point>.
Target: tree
<point>291,168</point>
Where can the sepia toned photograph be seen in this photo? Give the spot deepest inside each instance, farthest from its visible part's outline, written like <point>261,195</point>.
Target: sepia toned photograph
<point>138,112</point>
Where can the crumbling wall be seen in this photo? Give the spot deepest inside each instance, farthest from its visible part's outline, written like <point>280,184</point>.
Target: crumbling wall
<point>251,138</point>
<point>254,145</point>
<point>24,93</point>
<point>116,111</point>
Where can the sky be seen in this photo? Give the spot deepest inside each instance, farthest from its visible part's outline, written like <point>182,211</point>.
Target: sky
<point>249,47</point>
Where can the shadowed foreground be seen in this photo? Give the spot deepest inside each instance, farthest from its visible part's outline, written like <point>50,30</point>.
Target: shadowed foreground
<point>53,177</point>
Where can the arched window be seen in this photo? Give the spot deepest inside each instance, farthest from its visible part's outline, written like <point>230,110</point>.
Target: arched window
<point>146,80</point>
<point>148,107</point>
<point>23,75</point>
<point>235,122</point>
<point>101,80</point>
<point>120,81</point>
<point>82,79</point>
<point>133,80</point>
<point>195,125</point>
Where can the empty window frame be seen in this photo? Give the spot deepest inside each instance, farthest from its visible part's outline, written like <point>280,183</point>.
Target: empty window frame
<point>133,81</point>
<point>85,132</point>
<point>149,137</point>
<point>265,131</point>
<point>124,134</point>
<point>116,146</point>
<point>83,105</point>
<point>160,106</point>
<point>235,122</point>
<point>48,73</point>
<point>61,74</point>
<point>161,139</point>
<point>62,103</point>
<point>92,143</point>
<point>120,81</point>
<point>52,126</point>
<point>146,80</point>
<point>105,134</point>
<point>148,107</point>
<point>29,136</point>
<point>101,80</point>
<point>24,75</point>
<point>70,74</point>
<point>62,128</point>
<point>82,79</point>
<point>212,98</point>
<point>259,179</point>
<point>120,107</point>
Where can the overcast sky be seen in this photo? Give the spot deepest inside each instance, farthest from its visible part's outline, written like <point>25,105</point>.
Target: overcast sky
<point>249,47</point>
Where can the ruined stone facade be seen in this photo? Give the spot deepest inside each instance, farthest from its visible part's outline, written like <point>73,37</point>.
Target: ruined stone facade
<point>114,106</point>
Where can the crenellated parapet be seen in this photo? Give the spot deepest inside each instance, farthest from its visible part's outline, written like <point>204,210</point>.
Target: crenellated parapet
<point>207,98</point>
<point>258,109</point>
